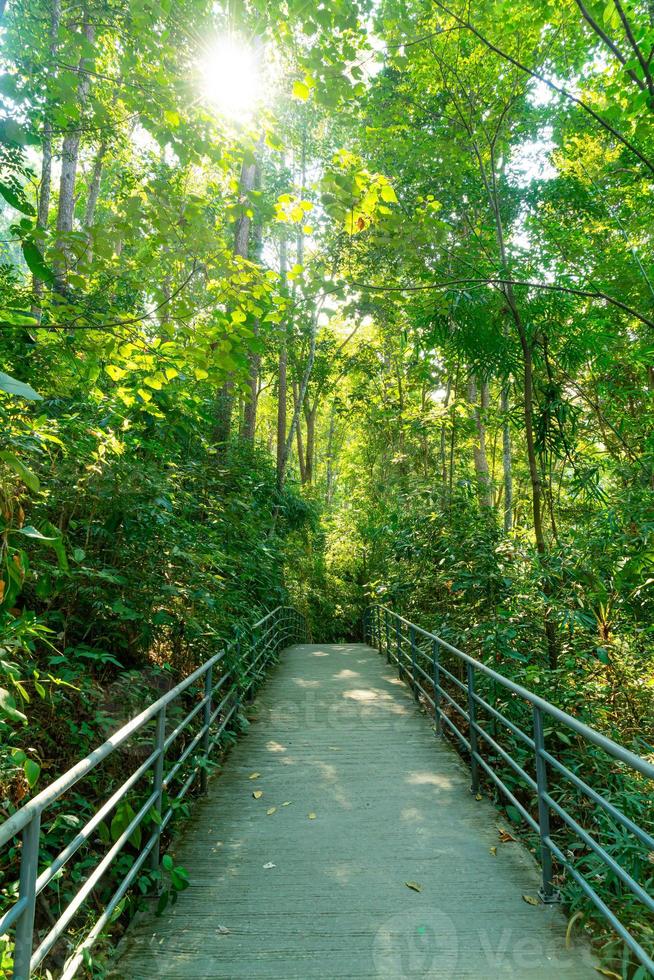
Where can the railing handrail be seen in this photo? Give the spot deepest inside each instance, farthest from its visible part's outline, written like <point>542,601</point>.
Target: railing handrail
<point>454,698</point>
<point>14,824</point>
<point>619,752</point>
<point>286,624</point>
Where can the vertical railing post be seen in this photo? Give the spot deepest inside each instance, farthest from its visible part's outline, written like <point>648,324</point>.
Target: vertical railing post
<point>29,866</point>
<point>436,666</point>
<point>388,636</point>
<point>547,892</point>
<point>398,646</point>
<point>378,628</point>
<point>414,672</point>
<point>206,720</point>
<point>157,784</point>
<point>472,716</point>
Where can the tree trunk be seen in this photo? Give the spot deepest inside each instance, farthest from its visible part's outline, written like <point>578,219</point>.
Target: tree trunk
<point>506,461</point>
<point>92,199</point>
<point>45,187</point>
<point>254,358</point>
<point>282,383</point>
<point>310,417</point>
<point>225,397</point>
<point>479,452</point>
<point>69,159</point>
<point>330,458</point>
<point>298,435</point>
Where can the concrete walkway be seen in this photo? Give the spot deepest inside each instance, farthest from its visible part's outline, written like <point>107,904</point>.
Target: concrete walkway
<point>366,799</point>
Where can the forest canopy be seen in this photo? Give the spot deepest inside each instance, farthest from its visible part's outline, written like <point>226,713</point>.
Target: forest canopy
<point>331,303</point>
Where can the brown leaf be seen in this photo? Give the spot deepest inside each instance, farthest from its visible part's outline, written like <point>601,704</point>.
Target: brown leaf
<point>287,803</point>
<point>505,836</point>
<point>530,900</point>
<point>493,851</point>
<point>258,793</point>
<point>254,775</point>
<point>413,885</point>
<point>271,810</point>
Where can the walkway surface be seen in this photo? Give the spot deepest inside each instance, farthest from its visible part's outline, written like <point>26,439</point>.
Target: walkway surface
<point>366,799</point>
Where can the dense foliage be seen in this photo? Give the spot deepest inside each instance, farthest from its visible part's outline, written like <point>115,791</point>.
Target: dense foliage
<point>382,331</point>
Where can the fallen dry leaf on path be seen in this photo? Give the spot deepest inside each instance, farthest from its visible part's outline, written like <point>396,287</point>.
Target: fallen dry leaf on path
<point>530,900</point>
<point>413,885</point>
<point>258,793</point>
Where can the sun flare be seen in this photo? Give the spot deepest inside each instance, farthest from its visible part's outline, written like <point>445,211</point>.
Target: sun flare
<point>230,78</point>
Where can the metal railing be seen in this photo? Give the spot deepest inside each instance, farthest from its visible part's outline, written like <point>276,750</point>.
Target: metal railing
<point>451,683</point>
<point>217,689</point>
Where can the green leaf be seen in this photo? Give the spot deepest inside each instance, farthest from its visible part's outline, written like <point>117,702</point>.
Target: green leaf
<point>36,264</point>
<point>16,199</point>
<point>29,478</point>
<point>167,862</point>
<point>388,194</point>
<point>32,772</point>
<point>31,532</point>
<point>8,706</point>
<point>14,387</point>
<point>300,91</point>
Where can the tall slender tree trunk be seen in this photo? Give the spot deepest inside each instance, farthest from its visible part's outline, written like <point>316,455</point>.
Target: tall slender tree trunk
<point>506,460</point>
<point>330,457</point>
<point>92,199</point>
<point>282,381</point>
<point>254,367</point>
<point>69,160</point>
<point>480,457</point>
<point>45,187</point>
<point>225,397</point>
<point>310,415</point>
<point>298,436</point>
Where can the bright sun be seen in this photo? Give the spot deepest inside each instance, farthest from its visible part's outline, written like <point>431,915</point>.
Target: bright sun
<point>230,78</point>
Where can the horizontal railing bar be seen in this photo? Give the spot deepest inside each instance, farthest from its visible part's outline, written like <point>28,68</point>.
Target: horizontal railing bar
<point>71,910</point>
<point>268,615</point>
<point>505,721</point>
<point>613,920</point>
<point>86,831</point>
<point>456,731</point>
<point>507,758</point>
<point>507,792</point>
<point>610,862</point>
<point>613,811</point>
<point>451,676</point>
<point>168,778</point>
<point>455,704</point>
<point>184,724</point>
<point>71,966</point>
<point>221,728</point>
<point>8,919</point>
<point>51,793</point>
<point>214,714</point>
<point>602,741</point>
